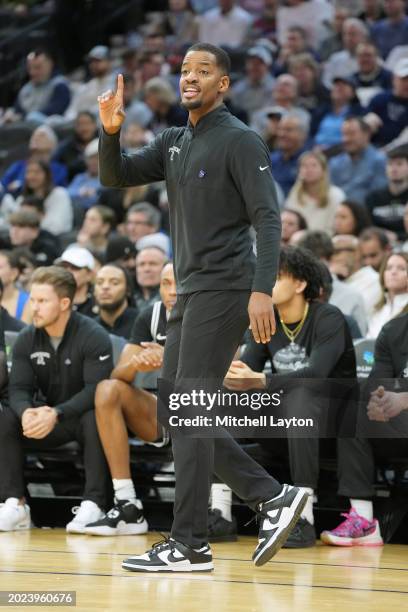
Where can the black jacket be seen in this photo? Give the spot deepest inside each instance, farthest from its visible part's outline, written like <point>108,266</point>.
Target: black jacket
<point>123,324</point>
<point>391,350</point>
<point>218,182</point>
<point>65,379</point>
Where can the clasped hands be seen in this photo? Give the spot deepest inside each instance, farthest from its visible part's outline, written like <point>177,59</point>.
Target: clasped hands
<point>37,423</point>
<point>148,359</point>
<point>241,377</point>
<point>385,405</point>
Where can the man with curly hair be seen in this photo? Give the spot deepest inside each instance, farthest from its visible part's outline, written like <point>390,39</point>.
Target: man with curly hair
<point>312,341</point>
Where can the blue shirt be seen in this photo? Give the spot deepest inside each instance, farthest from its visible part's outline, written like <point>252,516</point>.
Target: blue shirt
<point>285,170</point>
<point>16,172</point>
<point>329,132</point>
<point>357,177</point>
<point>387,35</point>
<point>393,112</point>
<point>78,187</point>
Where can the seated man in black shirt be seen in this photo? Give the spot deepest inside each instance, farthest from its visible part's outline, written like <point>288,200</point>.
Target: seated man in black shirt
<point>384,432</point>
<point>57,363</point>
<point>122,407</point>
<point>113,292</point>
<point>312,340</point>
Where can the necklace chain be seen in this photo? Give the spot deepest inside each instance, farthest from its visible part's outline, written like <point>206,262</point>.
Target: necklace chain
<point>292,334</point>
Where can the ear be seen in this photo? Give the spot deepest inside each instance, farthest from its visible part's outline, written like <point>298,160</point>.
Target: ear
<point>65,304</point>
<point>300,286</point>
<point>224,84</point>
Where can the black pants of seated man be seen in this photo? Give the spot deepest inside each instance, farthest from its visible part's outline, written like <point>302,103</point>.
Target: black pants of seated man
<point>203,333</point>
<point>83,430</point>
<point>327,414</point>
<point>357,456</point>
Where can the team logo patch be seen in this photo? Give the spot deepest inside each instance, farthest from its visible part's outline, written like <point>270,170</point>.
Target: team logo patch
<point>173,150</point>
<point>40,356</point>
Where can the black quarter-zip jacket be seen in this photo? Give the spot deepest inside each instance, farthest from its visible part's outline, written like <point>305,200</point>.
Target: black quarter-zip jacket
<point>219,182</point>
<point>65,379</point>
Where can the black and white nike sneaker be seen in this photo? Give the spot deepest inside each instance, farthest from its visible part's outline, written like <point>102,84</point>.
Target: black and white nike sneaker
<point>278,517</point>
<point>171,556</point>
<point>125,518</point>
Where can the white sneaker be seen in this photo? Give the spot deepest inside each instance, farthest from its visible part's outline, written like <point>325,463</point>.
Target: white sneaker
<point>87,512</point>
<point>14,516</point>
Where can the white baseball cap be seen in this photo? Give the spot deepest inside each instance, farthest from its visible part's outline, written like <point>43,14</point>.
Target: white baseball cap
<point>77,256</point>
<point>401,68</point>
<point>91,148</point>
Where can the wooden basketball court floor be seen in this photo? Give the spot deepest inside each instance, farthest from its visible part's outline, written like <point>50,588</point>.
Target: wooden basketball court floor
<point>320,578</point>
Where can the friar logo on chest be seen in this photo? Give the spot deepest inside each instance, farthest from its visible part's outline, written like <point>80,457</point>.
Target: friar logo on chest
<point>172,151</point>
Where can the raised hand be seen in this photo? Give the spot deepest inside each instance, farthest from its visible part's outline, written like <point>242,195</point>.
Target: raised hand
<point>111,109</point>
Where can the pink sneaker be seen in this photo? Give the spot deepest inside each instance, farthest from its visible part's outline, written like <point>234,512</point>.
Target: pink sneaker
<point>354,531</point>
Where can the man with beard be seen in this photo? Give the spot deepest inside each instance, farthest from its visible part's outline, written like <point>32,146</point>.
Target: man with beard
<point>57,363</point>
<point>122,407</point>
<point>219,182</point>
<point>112,294</point>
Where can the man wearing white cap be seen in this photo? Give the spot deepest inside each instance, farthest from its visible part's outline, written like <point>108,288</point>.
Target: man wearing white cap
<point>81,263</point>
<point>388,111</point>
<point>84,188</point>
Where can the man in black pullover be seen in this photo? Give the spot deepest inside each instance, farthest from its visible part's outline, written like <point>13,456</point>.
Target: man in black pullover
<point>219,182</point>
<point>57,363</point>
<point>382,432</point>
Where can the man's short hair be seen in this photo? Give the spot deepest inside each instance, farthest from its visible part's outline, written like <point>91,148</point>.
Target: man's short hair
<point>161,88</point>
<point>317,242</point>
<point>400,152</point>
<point>34,202</point>
<point>302,265</point>
<point>361,122</point>
<point>86,113</point>
<point>303,123</point>
<point>304,59</point>
<point>298,30</point>
<point>153,216</point>
<point>153,247</point>
<point>62,280</point>
<point>25,218</point>
<point>41,51</point>
<point>107,214</point>
<point>375,233</point>
<point>222,59</point>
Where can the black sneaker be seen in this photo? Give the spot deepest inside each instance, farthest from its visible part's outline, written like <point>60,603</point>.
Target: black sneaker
<point>171,556</point>
<point>279,515</point>
<point>303,535</point>
<point>125,518</point>
<point>219,529</point>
